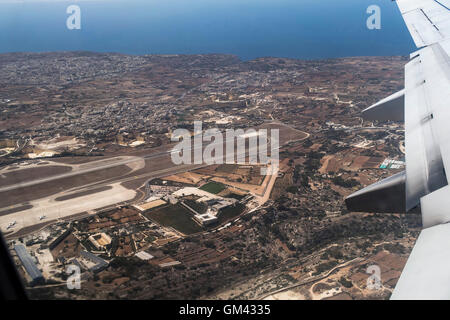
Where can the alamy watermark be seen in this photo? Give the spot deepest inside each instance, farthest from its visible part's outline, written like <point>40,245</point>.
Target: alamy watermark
<point>74,279</point>
<point>212,146</point>
<point>73,22</point>
<point>374,281</point>
<point>373,22</point>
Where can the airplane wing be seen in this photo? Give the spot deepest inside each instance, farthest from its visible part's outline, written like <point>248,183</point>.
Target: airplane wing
<point>424,106</point>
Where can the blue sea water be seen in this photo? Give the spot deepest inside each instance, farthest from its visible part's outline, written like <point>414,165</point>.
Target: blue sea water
<point>305,29</point>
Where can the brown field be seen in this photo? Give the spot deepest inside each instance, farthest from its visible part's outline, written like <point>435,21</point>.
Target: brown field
<point>233,173</point>
<point>187,178</point>
<point>358,162</point>
<point>349,161</point>
<point>373,162</point>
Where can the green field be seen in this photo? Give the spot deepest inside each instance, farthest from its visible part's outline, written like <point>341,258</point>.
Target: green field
<point>230,212</point>
<point>213,187</point>
<point>175,216</point>
<point>197,206</point>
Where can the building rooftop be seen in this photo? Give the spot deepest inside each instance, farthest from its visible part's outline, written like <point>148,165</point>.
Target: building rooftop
<point>28,263</point>
<point>144,255</point>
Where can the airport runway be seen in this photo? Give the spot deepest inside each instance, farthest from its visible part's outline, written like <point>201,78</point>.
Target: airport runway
<point>155,165</point>
<point>106,164</point>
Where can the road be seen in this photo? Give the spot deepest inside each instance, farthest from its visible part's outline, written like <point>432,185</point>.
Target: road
<point>311,280</point>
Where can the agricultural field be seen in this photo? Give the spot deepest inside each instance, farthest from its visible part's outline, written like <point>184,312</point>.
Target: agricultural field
<point>230,212</point>
<point>213,187</point>
<point>174,216</point>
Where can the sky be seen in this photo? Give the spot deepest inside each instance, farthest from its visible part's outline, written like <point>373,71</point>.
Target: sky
<point>306,29</point>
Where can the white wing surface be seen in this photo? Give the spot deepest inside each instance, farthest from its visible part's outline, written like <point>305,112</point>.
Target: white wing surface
<point>424,105</point>
<point>427,124</point>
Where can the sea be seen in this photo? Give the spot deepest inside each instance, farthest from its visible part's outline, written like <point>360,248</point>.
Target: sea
<point>303,29</point>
